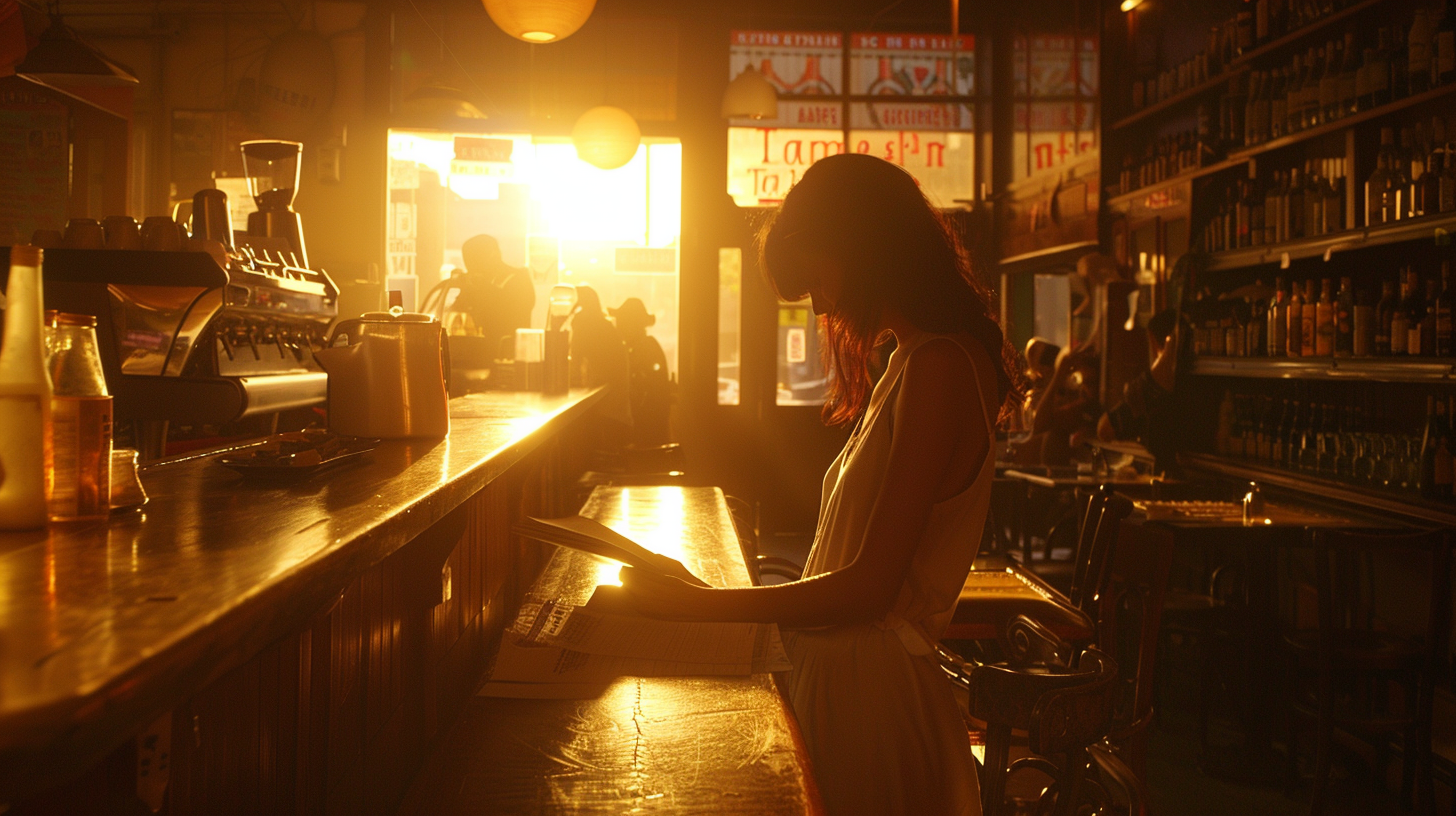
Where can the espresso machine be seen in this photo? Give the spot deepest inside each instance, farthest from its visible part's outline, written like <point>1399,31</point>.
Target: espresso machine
<point>223,328</point>
<point>272,170</point>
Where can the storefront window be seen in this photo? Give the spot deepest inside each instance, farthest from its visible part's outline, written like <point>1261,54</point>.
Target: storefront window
<point>730,310</point>
<point>1056,102</point>
<point>801,375</point>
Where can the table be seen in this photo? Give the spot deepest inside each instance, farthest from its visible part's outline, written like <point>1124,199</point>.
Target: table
<point>720,745</point>
<point>106,626</point>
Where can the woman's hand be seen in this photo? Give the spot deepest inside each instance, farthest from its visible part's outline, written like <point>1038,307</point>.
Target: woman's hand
<point>650,594</point>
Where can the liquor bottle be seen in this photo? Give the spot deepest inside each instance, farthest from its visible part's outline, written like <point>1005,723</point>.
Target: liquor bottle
<point>1256,213</point>
<point>1294,331</point>
<point>1349,77</point>
<point>1400,171</point>
<point>80,421</point>
<point>1262,32</point>
<point>1443,42</point>
<point>1251,108</point>
<point>1309,439</point>
<point>1415,309</point>
<point>1385,319</point>
<point>1314,200</point>
<point>1400,318</point>
<point>1435,483</point>
<point>1243,214</point>
<point>1399,63</point>
<point>1278,103</point>
<point>1244,27</point>
<point>25,397</point>
<point>1324,321</point>
<point>1377,186</point>
<point>1418,49</point>
<point>1329,87</point>
<point>1364,328</point>
<point>1334,196</point>
<point>1279,433</point>
<point>1277,318</point>
<point>1327,441</point>
<point>1309,322</point>
<point>1445,344</point>
<point>1294,228</point>
<point>1380,71</point>
<point>1347,445</point>
<point>1294,96</point>
<point>1345,320</point>
<point>1315,58</point>
<point>1428,318</point>
<point>1273,210</point>
<point>1427,197</point>
<point>1294,438</point>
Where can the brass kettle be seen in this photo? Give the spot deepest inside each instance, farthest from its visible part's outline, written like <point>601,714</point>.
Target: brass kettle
<point>387,376</point>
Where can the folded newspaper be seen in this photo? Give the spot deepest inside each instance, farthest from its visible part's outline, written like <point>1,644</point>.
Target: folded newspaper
<point>586,535</point>
<point>561,650</point>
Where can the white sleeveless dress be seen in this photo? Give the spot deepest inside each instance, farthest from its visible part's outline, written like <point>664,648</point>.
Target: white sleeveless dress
<point>879,718</point>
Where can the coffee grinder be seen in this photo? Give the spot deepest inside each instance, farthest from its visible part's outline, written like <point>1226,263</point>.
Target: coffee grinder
<point>272,170</point>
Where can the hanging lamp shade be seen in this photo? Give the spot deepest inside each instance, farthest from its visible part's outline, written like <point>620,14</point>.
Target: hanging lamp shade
<point>750,96</point>
<point>606,137</point>
<point>61,57</point>
<point>437,100</point>
<point>539,21</point>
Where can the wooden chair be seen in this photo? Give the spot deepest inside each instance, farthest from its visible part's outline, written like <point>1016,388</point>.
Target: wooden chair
<point>1355,662</point>
<point>1129,614</point>
<point>745,523</point>
<point>1060,709</point>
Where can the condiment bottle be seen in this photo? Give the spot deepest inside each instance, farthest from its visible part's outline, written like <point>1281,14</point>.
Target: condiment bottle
<point>80,485</point>
<point>25,397</point>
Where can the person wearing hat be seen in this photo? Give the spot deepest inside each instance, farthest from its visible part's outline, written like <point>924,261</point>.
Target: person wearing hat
<point>651,390</point>
<point>599,357</point>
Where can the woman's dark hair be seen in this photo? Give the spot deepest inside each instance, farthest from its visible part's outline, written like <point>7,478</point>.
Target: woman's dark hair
<point>896,251</point>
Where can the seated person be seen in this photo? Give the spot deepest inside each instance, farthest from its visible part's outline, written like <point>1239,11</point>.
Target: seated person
<point>651,389</point>
<point>1145,412</point>
<point>1057,404</point>
<point>599,357</point>
<point>499,296</point>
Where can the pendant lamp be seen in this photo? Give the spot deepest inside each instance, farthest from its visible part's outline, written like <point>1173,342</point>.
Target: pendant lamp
<point>606,137</point>
<point>61,58</point>
<point>539,21</point>
<point>750,96</point>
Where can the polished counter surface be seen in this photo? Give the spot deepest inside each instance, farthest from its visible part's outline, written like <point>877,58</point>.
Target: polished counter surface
<point>104,624</point>
<point>721,745</point>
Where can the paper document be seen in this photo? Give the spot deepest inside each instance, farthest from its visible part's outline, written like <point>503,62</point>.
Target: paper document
<point>580,650</point>
<point>586,535</point>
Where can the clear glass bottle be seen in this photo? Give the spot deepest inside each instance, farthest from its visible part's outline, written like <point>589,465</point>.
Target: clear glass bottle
<point>80,420</point>
<point>25,397</point>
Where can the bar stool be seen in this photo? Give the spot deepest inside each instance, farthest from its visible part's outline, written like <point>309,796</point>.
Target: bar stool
<point>1353,661</point>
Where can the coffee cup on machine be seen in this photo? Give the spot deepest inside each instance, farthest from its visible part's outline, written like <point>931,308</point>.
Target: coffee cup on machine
<point>122,232</point>
<point>212,217</point>
<point>83,233</point>
<point>160,234</point>
<point>46,238</point>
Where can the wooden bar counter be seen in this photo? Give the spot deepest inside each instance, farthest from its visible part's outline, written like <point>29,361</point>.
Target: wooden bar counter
<point>274,648</point>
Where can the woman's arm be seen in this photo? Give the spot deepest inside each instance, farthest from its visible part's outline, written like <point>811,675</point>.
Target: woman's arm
<point>938,415</point>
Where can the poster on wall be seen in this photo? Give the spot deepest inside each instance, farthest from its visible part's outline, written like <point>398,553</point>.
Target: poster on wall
<point>34,172</point>
<point>796,63</point>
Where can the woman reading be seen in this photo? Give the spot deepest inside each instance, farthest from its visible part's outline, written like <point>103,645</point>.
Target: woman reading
<point>904,504</point>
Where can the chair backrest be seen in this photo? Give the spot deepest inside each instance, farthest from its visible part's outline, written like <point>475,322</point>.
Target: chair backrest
<point>1129,612</point>
<point>1070,719</point>
<point>1100,535</point>
<point>1114,777</point>
<point>1345,585</point>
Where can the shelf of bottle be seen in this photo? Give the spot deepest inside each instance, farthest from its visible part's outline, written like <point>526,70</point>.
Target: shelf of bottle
<point>1330,490</point>
<point>1365,369</point>
<point>1343,123</point>
<point>1410,229</point>
<point>1241,64</point>
<point>1300,33</point>
<point>1174,181</point>
<point>1215,81</point>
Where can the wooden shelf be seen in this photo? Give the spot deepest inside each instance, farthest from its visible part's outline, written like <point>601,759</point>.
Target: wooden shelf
<point>1411,229</point>
<point>1177,99</point>
<point>1181,178</point>
<point>1326,490</point>
<point>1299,34</point>
<point>1363,369</point>
<point>1342,124</point>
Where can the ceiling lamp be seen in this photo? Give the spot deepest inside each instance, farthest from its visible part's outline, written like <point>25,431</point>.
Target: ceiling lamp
<point>61,57</point>
<point>539,21</point>
<point>750,96</point>
<point>606,137</point>
<point>1129,5</point>
<point>435,100</point>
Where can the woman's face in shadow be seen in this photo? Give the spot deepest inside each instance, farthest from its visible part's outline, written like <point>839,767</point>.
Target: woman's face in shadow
<point>826,279</point>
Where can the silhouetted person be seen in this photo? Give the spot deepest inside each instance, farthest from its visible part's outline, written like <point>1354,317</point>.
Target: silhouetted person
<point>651,389</point>
<point>499,296</point>
<point>599,357</point>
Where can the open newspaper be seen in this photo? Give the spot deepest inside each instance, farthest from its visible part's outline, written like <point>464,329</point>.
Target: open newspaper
<point>555,649</point>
